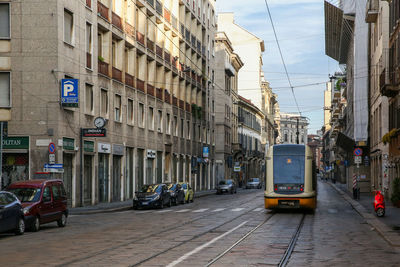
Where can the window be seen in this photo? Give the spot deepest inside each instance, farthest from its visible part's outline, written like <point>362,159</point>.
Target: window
<point>114,53</point>
<point>176,125</point>
<point>100,45</point>
<point>182,132</point>
<point>5,21</point>
<point>56,192</point>
<point>89,98</point>
<point>46,194</point>
<point>104,102</point>
<point>117,107</point>
<point>68,26</point>
<point>89,45</point>
<point>188,129</point>
<point>168,123</point>
<point>130,111</point>
<point>151,118</point>
<point>160,120</point>
<point>141,115</point>
<point>5,89</point>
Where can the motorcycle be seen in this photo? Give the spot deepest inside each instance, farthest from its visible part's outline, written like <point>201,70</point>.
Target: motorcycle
<point>379,204</point>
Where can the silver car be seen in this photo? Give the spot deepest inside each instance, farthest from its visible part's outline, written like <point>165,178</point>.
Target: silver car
<point>227,186</point>
<point>253,183</point>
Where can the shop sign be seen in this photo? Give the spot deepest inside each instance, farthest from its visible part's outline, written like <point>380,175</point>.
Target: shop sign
<point>94,132</point>
<point>16,142</point>
<point>88,146</point>
<point>236,169</point>
<point>68,143</point>
<point>151,154</point>
<point>104,148</point>
<point>118,150</point>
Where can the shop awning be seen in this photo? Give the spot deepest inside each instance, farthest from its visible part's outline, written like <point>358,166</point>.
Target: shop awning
<point>345,142</point>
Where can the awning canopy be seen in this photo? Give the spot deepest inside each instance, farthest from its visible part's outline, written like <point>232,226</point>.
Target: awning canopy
<point>345,142</point>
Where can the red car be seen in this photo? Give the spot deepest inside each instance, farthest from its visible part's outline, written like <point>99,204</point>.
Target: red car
<point>43,201</point>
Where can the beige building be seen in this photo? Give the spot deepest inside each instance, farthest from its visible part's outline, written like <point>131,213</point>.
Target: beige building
<point>146,67</point>
<point>290,125</point>
<point>226,76</point>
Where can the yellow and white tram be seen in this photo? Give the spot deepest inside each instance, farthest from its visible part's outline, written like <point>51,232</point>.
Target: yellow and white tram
<point>290,178</point>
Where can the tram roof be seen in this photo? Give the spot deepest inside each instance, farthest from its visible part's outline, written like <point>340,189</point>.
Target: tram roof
<point>292,149</point>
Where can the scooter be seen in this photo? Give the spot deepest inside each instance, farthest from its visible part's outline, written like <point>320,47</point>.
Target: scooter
<point>379,204</point>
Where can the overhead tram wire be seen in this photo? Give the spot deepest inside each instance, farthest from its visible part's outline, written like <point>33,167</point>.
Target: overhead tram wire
<point>283,61</point>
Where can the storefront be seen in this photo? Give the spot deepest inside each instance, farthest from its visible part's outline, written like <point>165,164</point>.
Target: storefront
<point>88,174</point>
<point>15,163</point>
<point>69,167</point>
<point>104,151</point>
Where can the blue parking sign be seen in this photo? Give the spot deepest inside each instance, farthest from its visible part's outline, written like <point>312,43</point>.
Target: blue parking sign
<point>69,92</point>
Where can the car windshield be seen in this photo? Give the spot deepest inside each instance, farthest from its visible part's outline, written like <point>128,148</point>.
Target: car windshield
<point>254,180</point>
<point>148,189</point>
<point>26,194</point>
<point>223,182</point>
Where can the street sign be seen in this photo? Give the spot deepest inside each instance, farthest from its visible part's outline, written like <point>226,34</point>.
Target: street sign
<point>94,132</point>
<point>357,159</point>
<point>52,148</point>
<point>52,158</point>
<point>54,170</point>
<point>357,152</point>
<point>236,169</point>
<point>205,151</point>
<point>69,93</point>
<point>53,166</point>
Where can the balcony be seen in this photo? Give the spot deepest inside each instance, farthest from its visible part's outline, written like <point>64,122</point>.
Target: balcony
<point>89,3</point>
<point>174,101</point>
<point>167,97</point>
<point>103,68</point>
<point>129,79</point>
<point>372,11</point>
<point>150,2</point>
<point>188,107</point>
<point>129,29</point>
<point>159,7</point>
<point>159,93</point>
<point>181,104</point>
<point>389,88</point>
<point>102,11</point>
<point>167,15</point>
<point>174,63</point>
<point>140,84</point>
<point>187,35</point>
<point>167,58</point>
<point>88,60</point>
<point>159,51</point>
<point>140,38</point>
<point>193,42</point>
<point>150,89</point>
<point>174,22</point>
<point>150,45</point>
<point>117,74</point>
<point>117,21</point>
<point>182,29</point>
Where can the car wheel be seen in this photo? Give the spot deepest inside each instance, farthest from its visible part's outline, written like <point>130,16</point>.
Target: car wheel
<point>36,225</point>
<point>20,227</point>
<point>62,221</point>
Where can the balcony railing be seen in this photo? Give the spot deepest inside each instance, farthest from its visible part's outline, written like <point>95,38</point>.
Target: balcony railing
<point>116,21</point>
<point>150,45</point>
<point>103,68</point>
<point>129,79</point>
<point>150,89</point>
<point>140,38</point>
<point>159,51</point>
<point>193,41</point>
<point>129,29</point>
<point>159,93</point>
<point>117,74</point>
<point>159,7</point>
<point>140,84</point>
<point>88,60</point>
<point>151,2</point>
<point>188,107</point>
<point>89,3</point>
<point>167,15</point>
<point>182,29</point>
<point>167,96</point>
<point>181,104</point>
<point>174,63</point>
<point>167,57</point>
<point>187,35</point>
<point>198,46</point>
<point>174,101</point>
<point>102,10</point>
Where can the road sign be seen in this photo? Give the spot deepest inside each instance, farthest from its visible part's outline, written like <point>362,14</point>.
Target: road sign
<point>236,169</point>
<point>52,159</point>
<point>357,152</point>
<point>94,132</point>
<point>69,93</point>
<point>52,148</point>
<point>357,159</point>
<point>53,166</point>
<point>54,170</point>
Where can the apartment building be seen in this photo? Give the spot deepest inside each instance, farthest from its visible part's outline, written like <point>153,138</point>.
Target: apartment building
<point>290,125</point>
<point>227,65</point>
<point>146,67</point>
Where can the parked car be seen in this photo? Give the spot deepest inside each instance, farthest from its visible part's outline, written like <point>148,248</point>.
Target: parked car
<point>253,183</point>
<point>177,193</point>
<point>152,195</point>
<point>43,201</point>
<point>189,193</point>
<point>228,186</point>
<point>11,214</point>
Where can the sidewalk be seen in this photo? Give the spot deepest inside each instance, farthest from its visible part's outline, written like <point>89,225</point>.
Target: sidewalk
<point>388,226</point>
<point>119,206</point>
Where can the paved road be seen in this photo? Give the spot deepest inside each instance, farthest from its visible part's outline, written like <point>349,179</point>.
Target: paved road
<point>195,234</point>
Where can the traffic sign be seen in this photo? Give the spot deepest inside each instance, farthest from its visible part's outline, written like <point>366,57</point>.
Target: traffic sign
<point>357,159</point>
<point>52,159</point>
<point>236,168</point>
<point>54,170</point>
<point>52,148</point>
<point>358,151</point>
<point>54,166</point>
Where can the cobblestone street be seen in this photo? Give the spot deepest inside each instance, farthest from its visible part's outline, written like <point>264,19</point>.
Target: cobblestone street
<point>195,234</point>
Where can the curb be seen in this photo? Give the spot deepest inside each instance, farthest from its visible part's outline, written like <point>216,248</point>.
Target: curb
<point>388,234</point>
<point>123,208</point>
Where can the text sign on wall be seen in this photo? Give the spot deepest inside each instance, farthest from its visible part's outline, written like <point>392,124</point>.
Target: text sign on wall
<point>69,93</point>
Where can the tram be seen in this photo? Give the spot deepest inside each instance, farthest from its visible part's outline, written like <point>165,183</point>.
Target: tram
<point>290,178</point>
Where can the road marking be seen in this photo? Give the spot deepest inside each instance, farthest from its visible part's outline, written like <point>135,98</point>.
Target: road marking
<point>220,209</point>
<point>258,209</point>
<point>187,255</point>
<point>200,210</point>
<point>146,211</point>
<point>184,210</point>
<point>163,211</point>
<point>237,209</point>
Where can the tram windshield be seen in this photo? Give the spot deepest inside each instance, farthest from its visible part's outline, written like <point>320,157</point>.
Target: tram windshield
<point>289,165</point>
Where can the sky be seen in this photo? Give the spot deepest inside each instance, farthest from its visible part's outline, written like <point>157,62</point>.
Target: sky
<point>299,25</point>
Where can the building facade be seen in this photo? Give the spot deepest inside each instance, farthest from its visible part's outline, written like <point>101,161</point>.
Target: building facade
<point>293,127</point>
<point>146,67</point>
